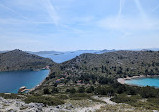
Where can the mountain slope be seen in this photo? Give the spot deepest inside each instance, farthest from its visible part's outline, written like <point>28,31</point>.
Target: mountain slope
<point>119,63</point>
<point>104,68</point>
<point>111,65</point>
<point>19,60</point>
<point>127,61</point>
<point>97,74</point>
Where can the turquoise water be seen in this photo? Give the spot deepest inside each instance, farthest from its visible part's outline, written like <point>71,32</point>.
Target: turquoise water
<point>144,82</point>
<point>10,82</point>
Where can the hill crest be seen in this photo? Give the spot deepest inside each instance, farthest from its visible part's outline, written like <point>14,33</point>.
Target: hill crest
<point>20,60</point>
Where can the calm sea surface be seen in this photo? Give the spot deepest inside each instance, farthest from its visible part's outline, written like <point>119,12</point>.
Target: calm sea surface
<point>12,81</point>
<point>144,82</point>
<point>67,55</point>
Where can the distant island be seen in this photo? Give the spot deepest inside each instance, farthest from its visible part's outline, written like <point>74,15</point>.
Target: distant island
<point>20,60</point>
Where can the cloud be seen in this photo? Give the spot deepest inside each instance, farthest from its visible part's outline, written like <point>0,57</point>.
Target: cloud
<point>19,18</point>
<point>51,21</point>
<point>122,2</point>
<point>15,12</point>
<point>142,12</point>
<point>128,24</point>
<point>51,11</point>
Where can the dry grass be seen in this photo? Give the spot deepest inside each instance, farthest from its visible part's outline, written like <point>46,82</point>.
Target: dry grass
<point>82,103</point>
<point>121,108</point>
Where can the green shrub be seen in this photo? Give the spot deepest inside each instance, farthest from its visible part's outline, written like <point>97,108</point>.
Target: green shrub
<point>46,100</point>
<point>54,90</point>
<point>10,96</point>
<point>67,90</point>
<point>63,97</point>
<point>81,89</point>
<point>104,90</point>
<point>148,92</point>
<point>79,96</point>
<point>72,90</point>
<point>123,98</point>
<point>90,89</point>
<point>46,91</point>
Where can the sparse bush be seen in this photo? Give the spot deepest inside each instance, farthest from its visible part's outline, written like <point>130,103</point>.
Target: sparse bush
<point>10,96</point>
<point>123,98</point>
<point>148,92</point>
<point>63,97</point>
<point>44,99</point>
<point>81,89</point>
<point>79,96</point>
<point>46,91</point>
<point>72,90</point>
<point>54,90</point>
<point>67,90</point>
<point>90,89</point>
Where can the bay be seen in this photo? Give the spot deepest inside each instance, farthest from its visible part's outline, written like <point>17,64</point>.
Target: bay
<point>154,82</point>
<point>10,82</point>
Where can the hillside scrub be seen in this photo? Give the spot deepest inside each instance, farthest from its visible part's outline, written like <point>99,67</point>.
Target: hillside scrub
<point>19,60</point>
<point>46,100</point>
<point>97,74</point>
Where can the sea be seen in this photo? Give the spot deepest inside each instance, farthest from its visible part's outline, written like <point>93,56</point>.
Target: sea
<point>154,82</point>
<point>10,82</point>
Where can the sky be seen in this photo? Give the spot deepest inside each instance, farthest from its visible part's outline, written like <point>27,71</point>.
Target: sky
<point>68,25</point>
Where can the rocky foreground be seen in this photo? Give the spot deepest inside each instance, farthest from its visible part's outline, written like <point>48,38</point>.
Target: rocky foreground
<point>17,105</point>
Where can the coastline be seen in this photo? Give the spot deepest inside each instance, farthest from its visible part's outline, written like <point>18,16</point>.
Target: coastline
<point>122,80</point>
<point>32,89</point>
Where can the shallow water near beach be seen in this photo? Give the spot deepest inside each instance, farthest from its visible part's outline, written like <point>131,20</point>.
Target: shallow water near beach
<point>10,82</point>
<point>144,82</point>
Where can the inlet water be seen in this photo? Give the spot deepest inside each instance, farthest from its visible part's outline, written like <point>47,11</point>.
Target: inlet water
<point>65,56</point>
<point>10,82</point>
<point>144,82</point>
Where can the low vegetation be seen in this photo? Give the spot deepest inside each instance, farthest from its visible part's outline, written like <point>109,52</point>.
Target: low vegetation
<point>137,101</point>
<point>96,74</point>
<point>19,60</point>
<point>10,96</point>
<point>46,100</point>
<point>122,108</point>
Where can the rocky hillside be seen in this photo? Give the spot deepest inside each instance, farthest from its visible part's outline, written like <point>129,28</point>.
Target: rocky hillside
<point>104,68</point>
<point>91,68</point>
<point>119,63</point>
<point>97,74</point>
<point>19,60</point>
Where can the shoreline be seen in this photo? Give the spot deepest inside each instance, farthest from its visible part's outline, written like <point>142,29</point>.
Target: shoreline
<point>28,88</point>
<point>122,80</point>
<point>32,89</point>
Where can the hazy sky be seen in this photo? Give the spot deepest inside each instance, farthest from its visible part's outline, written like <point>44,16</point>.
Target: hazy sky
<point>65,25</point>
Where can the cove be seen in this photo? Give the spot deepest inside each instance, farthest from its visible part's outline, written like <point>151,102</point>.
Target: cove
<point>154,82</point>
<point>10,82</point>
